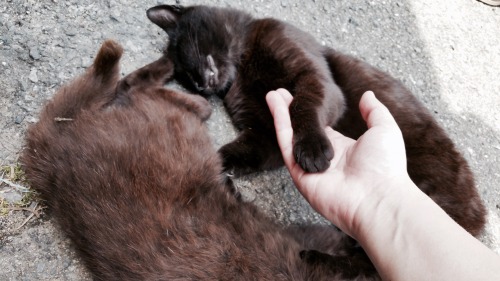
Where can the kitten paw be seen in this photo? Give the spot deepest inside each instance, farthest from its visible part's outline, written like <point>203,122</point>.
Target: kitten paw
<point>348,267</point>
<point>234,163</point>
<point>313,153</point>
<point>310,256</point>
<point>313,257</point>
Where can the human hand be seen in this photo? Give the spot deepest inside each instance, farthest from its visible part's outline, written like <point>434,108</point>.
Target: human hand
<point>362,172</point>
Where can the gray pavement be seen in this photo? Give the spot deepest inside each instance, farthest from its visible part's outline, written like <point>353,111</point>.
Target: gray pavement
<point>446,52</point>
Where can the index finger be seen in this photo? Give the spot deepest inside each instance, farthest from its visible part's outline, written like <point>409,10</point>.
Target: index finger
<point>278,102</point>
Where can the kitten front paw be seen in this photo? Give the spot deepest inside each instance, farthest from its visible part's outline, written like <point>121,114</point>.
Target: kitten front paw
<point>311,256</point>
<point>234,162</point>
<point>313,153</point>
<point>314,257</point>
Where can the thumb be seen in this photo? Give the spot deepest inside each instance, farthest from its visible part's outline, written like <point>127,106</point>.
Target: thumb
<point>374,112</point>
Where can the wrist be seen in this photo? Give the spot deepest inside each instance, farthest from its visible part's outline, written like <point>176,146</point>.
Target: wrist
<point>386,208</point>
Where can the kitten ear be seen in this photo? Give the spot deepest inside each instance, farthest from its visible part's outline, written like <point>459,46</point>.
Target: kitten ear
<point>107,59</point>
<point>165,16</point>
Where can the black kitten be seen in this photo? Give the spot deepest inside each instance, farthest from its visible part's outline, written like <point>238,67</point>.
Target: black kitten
<point>229,53</point>
<point>226,51</point>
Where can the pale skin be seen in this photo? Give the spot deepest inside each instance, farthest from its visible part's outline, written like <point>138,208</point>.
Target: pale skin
<point>368,194</point>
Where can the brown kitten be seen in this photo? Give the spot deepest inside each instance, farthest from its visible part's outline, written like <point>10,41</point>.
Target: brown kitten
<point>229,53</point>
<point>130,174</point>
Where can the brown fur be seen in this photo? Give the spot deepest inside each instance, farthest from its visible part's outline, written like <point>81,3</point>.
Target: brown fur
<point>255,56</point>
<point>129,172</point>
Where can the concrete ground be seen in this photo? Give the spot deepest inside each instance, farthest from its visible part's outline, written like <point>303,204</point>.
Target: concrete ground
<point>446,52</point>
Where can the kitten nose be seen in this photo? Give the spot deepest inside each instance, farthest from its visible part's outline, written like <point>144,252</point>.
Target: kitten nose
<point>211,79</point>
<point>211,73</point>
